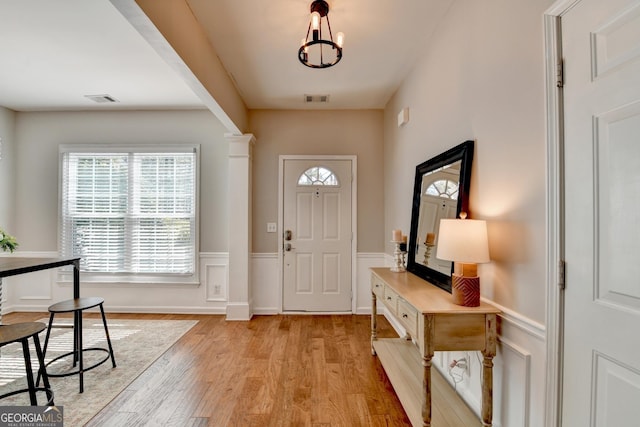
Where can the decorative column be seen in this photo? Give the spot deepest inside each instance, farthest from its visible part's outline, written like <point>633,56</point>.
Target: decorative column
<point>239,299</point>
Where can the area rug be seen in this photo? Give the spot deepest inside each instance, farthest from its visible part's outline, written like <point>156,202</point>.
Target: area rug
<point>136,345</point>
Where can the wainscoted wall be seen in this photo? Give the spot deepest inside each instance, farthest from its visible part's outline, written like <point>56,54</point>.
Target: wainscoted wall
<point>266,282</point>
<point>518,366</point>
<point>36,291</point>
<point>520,359</point>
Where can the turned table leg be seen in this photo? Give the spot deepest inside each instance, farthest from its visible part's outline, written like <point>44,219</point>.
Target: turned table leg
<point>374,321</point>
<point>426,385</point>
<point>428,340</point>
<point>487,389</point>
<point>487,369</point>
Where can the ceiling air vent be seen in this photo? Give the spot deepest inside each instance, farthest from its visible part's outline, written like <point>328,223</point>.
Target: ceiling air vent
<point>100,99</point>
<point>316,99</point>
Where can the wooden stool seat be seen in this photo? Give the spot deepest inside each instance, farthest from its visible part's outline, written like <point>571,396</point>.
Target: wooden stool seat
<point>72,305</point>
<point>21,332</point>
<point>18,331</point>
<point>77,306</point>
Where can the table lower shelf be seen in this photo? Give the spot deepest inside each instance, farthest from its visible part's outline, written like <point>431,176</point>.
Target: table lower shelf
<point>402,363</point>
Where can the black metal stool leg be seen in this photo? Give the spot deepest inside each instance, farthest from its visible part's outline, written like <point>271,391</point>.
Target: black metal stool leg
<point>79,351</point>
<point>42,372</point>
<point>77,325</point>
<point>27,362</point>
<point>106,331</point>
<point>46,344</point>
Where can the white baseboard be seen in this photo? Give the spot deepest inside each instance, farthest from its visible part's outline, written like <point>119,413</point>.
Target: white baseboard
<point>238,311</point>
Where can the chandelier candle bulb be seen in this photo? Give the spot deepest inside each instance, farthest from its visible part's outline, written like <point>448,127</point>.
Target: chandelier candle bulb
<point>340,39</point>
<point>315,21</point>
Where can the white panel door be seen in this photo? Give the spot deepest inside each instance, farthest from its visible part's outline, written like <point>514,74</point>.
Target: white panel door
<point>317,237</point>
<point>601,48</point>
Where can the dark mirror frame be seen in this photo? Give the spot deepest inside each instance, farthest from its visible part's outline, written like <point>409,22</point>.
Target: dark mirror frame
<point>464,153</point>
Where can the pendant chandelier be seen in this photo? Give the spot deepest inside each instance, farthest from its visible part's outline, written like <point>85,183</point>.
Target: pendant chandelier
<point>315,50</point>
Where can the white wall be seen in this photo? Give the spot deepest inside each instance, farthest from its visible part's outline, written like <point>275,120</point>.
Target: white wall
<point>481,78</point>
<point>39,135</point>
<point>35,159</point>
<point>335,132</point>
<point>330,132</point>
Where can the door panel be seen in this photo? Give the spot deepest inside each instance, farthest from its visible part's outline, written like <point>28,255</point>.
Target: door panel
<point>331,217</point>
<point>304,216</point>
<point>317,268</point>
<point>601,372</point>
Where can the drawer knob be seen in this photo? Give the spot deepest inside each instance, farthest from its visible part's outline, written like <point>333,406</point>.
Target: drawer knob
<point>389,298</point>
<point>404,315</point>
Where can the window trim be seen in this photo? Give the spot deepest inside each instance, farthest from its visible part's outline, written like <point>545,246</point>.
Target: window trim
<point>65,275</point>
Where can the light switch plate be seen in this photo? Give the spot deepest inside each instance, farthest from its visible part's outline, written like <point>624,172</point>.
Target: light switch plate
<point>272,227</point>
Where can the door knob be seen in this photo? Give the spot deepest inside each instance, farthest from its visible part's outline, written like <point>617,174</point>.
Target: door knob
<point>288,247</point>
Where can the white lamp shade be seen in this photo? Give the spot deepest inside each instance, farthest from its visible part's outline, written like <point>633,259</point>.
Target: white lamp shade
<point>463,240</point>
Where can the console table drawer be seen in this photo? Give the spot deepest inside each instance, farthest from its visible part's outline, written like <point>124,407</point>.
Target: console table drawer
<point>377,287</point>
<point>391,299</point>
<point>408,316</point>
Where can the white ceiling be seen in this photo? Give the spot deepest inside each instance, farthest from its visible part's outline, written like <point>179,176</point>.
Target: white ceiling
<point>53,53</point>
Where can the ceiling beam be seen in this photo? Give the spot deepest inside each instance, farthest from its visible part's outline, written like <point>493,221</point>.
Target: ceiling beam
<point>171,29</point>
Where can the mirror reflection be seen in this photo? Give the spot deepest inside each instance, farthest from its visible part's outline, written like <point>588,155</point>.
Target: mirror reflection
<point>441,190</point>
<point>438,200</point>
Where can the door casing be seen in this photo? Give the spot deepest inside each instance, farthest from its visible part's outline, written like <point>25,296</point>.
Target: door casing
<point>354,220</point>
<point>555,213</point>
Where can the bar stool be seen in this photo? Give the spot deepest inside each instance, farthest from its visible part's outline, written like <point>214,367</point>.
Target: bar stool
<point>21,332</point>
<point>77,306</point>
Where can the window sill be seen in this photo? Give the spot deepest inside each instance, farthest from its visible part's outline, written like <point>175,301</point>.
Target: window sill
<point>65,278</point>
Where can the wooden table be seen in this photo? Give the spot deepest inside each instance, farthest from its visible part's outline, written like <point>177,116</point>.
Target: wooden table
<point>11,266</point>
<point>435,323</point>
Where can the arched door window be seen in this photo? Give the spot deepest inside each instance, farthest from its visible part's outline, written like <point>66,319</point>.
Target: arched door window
<point>318,175</point>
<point>444,188</point>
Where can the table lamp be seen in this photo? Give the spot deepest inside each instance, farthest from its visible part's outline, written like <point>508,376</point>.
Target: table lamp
<point>464,241</point>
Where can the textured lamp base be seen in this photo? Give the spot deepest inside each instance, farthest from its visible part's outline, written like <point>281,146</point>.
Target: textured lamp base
<point>465,290</point>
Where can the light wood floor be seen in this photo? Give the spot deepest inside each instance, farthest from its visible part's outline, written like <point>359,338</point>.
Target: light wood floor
<point>272,371</point>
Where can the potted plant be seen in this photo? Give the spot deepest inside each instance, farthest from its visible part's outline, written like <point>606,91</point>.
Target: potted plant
<point>7,242</point>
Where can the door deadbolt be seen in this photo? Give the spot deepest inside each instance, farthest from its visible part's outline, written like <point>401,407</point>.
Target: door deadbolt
<point>287,235</point>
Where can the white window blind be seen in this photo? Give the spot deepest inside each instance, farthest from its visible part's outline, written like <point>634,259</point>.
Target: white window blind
<point>129,212</point>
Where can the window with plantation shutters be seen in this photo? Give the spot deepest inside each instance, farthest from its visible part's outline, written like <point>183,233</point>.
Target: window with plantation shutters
<point>129,212</point>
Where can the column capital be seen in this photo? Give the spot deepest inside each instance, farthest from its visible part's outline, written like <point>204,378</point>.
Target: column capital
<point>240,145</point>
<point>246,138</point>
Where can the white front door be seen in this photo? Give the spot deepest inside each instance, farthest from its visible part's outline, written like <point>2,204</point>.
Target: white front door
<point>601,49</point>
<point>317,235</point>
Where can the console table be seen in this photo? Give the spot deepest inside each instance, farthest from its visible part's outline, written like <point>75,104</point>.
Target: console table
<point>436,324</point>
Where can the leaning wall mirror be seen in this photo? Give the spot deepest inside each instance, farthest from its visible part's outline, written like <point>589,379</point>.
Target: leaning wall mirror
<point>441,190</point>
